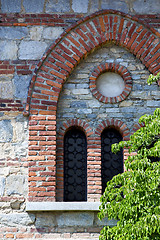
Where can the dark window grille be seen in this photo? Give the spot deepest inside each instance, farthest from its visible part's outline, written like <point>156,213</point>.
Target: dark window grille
<point>112,164</point>
<point>75,166</point>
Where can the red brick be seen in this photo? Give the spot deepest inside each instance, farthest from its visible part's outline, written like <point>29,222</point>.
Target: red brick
<point>47,163</point>
<point>139,46</point>
<point>73,40</point>
<point>64,66</point>
<point>62,47</point>
<point>58,74</point>
<point>9,235</point>
<point>37,179</point>
<point>80,32</point>
<point>131,30</point>
<point>24,235</point>
<point>121,25</point>
<point>91,28</point>
<point>102,23</point>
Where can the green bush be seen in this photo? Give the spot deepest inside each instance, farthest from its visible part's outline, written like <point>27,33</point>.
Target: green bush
<point>133,197</point>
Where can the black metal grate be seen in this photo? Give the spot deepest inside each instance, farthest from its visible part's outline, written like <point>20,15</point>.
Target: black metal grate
<point>112,164</point>
<point>75,166</point>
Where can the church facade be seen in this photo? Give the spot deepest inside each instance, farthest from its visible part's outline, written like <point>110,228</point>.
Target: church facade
<point>73,80</point>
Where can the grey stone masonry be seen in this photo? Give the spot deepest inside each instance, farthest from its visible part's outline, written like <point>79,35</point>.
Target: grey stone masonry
<point>52,33</point>
<point>120,5</point>
<point>77,101</point>
<point>11,6</point>
<point>8,50</point>
<point>2,185</point>
<point>21,43</point>
<point>142,7</point>
<point>15,219</point>
<point>76,219</point>
<point>79,6</point>
<point>21,85</point>
<point>33,6</point>
<point>16,184</point>
<point>6,87</point>
<point>13,33</point>
<point>58,6</point>
<point>6,131</point>
<point>31,49</point>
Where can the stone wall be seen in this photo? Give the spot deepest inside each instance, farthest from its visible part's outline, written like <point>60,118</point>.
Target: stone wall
<point>27,30</point>
<point>81,6</point>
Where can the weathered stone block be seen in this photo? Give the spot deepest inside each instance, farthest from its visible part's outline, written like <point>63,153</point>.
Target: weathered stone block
<point>116,4</point>
<point>21,148</point>
<point>126,104</point>
<point>84,111</point>
<point>58,6</point>
<point>21,85</point>
<point>91,116</point>
<point>2,185</point>
<point>15,184</point>
<point>45,220</point>
<point>112,110</point>
<point>33,7</point>
<point>15,204</point>
<point>82,75</point>
<point>8,50</point>
<point>78,104</point>
<point>94,104</point>
<point>52,32</point>
<point>154,104</point>
<point>148,6</point>
<point>106,222</point>
<point>82,85</point>
<point>80,6</point>
<point>75,219</point>
<point>69,86</point>
<point>80,91</point>
<point>13,33</point>
<point>6,89</point>
<point>6,131</point>
<point>10,6</point>
<point>94,6</point>
<point>15,219</point>
<point>31,49</point>
<point>36,33</point>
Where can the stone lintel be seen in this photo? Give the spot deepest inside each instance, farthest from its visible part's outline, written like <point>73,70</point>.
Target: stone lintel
<point>62,206</point>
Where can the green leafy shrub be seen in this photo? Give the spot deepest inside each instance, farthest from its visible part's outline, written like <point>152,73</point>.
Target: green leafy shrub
<point>153,78</point>
<point>133,197</point>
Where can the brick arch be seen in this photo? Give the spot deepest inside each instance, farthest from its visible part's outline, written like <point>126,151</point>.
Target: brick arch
<point>54,68</point>
<point>136,127</point>
<point>115,123</point>
<point>81,39</point>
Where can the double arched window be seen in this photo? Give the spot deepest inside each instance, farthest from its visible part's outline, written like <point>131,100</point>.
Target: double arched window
<point>75,162</point>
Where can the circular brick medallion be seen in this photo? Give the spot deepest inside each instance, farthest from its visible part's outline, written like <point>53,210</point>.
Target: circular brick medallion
<point>120,76</point>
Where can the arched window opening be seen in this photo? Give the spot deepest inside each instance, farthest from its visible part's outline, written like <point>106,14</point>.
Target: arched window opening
<point>112,164</point>
<point>75,165</point>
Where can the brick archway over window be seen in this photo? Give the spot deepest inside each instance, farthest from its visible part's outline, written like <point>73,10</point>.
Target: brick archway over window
<point>85,127</point>
<point>54,68</point>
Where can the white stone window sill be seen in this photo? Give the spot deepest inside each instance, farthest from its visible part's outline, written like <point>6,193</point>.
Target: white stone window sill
<point>62,206</point>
